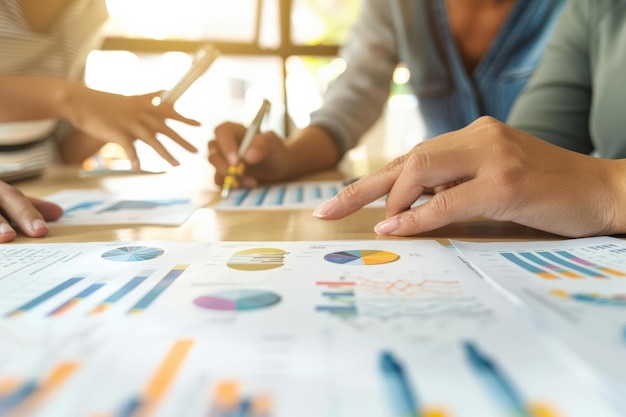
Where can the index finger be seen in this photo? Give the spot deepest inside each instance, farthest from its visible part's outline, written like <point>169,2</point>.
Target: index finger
<point>362,192</point>
<point>227,138</point>
<point>21,210</point>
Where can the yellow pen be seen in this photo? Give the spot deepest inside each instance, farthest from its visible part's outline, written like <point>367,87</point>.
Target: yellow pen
<point>235,172</point>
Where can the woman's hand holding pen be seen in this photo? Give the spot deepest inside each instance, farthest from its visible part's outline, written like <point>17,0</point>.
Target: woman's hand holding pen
<point>492,170</point>
<point>122,119</point>
<point>266,158</point>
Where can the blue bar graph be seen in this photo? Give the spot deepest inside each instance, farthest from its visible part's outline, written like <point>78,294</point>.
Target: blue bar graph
<point>161,286</point>
<point>129,408</point>
<point>9,401</point>
<point>242,197</point>
<point>338,309</point>
<point>261,197</point>
<point>496,382</point>
<point>45,296</point>
<point>402,398</point>
<point>585,271</point>
<point>66,306</point>
<point>528,266</point>
<point>280,196</point>
<point>117,295</point>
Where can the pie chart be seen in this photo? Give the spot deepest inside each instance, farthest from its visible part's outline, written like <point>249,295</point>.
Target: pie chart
<point>362,257</point>
<point>237,300</point>
<point>132,254</point>
<point>257,259</point>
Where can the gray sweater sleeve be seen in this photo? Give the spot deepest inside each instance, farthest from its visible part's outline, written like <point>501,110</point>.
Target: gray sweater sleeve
<point>356,99</point>
<point>555,106</point>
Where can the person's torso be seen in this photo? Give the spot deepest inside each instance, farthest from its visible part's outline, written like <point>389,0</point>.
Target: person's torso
<point>449,97</point>
<point>59,52</point>
<point>607,37</point>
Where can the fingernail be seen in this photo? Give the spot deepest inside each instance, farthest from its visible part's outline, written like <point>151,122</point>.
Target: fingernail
<point>233,158</point>
<point>252,155</point>
<point>323,209</point>
<point>5,228</point>
<point>387,226</point>
<point>38,225</point>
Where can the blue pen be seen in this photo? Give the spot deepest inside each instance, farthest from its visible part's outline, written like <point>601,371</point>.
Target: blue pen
<point>402,398</point>
<point>496,382</point>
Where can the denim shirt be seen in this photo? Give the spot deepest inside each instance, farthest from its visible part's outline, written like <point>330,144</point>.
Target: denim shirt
<point>417,33</point>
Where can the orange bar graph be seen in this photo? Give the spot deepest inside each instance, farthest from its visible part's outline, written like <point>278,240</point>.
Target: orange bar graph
<point>47,387</point>
<point>227,395</point>
<point>9,385</point>
<point>228,399</point>
<point>163,377</point>
<point>612,271</point>
<point>261,405</point>
<point>547,275</point>
<point>571,274</point>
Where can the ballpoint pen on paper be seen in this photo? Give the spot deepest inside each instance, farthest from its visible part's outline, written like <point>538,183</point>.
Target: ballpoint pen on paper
<point>235,172</point>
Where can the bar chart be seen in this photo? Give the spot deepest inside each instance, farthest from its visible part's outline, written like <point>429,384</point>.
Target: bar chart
<point>229,399</point>
<point>367,301</point>
<point>21,397</point>
<point>560,264</point>
<point>68,295</point>
<point>591,298</point>
<point>121,292</point>
<point>35,302</point>
<point>158,289</point>
<point>156,388</point>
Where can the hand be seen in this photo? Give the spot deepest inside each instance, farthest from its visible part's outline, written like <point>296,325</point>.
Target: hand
<point>266,159</point>
<point>492,170</point>
<point>123,119</point>
<point>30,214</point>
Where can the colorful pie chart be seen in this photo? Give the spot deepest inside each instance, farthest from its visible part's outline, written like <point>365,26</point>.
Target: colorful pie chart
<point>132,254</point>
<point>362,257</point>
<point>237,300</point>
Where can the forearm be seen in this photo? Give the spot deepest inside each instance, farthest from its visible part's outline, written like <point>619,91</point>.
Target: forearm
<point>24,97</point>
<point>311,150</point>
<point>78,146</point>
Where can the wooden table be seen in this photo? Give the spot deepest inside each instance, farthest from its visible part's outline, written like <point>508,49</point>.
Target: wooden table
<point>208,224</point>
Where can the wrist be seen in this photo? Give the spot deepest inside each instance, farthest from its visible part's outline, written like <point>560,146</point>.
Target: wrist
<point>67,100</point>
<point>311,150</point>
<point>616,180</point>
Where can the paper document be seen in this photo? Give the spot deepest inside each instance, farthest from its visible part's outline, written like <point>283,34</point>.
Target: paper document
<point>306,195</point>
<point>96,207</point>
<point>576,287</point>
<point>259,329</point>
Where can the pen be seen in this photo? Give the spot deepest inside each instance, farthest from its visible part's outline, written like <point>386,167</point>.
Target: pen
<point>350,181</point>
<point>403,400</point>
<point>235,172</point>
<point>203,59</point>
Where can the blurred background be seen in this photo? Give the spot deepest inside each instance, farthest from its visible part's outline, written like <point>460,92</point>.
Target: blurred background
<point>283,50</point>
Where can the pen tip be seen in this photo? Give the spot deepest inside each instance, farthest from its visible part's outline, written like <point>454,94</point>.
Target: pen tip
<point>225,192</point>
